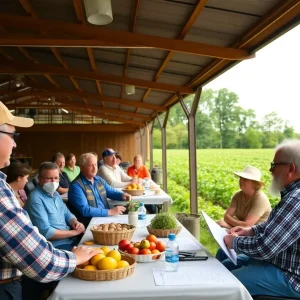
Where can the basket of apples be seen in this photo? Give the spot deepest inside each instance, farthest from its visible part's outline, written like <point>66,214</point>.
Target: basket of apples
<point>147,250</point>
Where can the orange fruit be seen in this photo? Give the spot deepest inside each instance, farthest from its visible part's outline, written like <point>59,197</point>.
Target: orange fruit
<point>128,187</point>
<point>96,258</point>
<point>151,238</point>
<point>114,254</point>
<point>107,263</point>
<point>105,249</point>
<point>90,267</point>
<point>122,264</point>
<point>89,243</point>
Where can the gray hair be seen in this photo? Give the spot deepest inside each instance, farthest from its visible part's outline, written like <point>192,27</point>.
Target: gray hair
<point>47,165</point>
<point>84,158</point>
<point>290,151</point>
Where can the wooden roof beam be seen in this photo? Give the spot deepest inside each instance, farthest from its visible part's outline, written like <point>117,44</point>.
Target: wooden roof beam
<point>105,37</point>
<point>15,67</point>
<point>67,93</point>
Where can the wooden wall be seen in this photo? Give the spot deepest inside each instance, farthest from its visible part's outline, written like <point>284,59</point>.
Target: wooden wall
<point>41,143</point>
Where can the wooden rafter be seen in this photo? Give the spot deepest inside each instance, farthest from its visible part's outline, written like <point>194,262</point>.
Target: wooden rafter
<point>131,29</point>
<point>193,17</point>
<point>277,18</point>
<point>24,68</point>
<point>81,19</point>
<point>71,93</point>
<point>95,37</point>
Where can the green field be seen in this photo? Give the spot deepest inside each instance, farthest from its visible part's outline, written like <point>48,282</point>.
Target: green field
<point>216,182</point>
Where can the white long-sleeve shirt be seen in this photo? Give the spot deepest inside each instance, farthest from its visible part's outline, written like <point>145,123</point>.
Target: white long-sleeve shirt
<point>114,176</point>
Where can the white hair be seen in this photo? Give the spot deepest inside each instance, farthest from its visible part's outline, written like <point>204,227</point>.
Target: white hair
<point>3,127</point>
<point>84,158</point>
<point>290,152</point>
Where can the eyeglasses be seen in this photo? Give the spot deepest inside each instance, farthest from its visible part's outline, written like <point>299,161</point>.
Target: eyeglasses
<point>12,134</point>
<point>273,164</point>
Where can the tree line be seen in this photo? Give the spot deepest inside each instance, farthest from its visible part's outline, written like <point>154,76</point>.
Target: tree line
<point>222,123</point>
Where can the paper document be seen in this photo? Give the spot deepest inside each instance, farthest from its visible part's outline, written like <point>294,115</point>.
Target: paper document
<point>202,273</point>
<point>187,244</point>
<point>218,233</point>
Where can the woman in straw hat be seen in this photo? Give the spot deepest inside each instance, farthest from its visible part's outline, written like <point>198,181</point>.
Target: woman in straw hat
<point>249,205</point>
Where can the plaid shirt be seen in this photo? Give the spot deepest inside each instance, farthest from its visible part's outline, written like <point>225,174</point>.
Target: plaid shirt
<point>22,248</point>
<point>277,241</point>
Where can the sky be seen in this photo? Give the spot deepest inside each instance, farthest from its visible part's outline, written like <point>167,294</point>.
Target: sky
<point>270,81</point>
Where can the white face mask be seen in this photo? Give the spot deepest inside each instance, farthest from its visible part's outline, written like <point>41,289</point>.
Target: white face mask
<point>50,187</point>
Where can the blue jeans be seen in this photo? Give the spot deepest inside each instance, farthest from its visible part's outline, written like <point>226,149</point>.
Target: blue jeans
<point>259,277</point>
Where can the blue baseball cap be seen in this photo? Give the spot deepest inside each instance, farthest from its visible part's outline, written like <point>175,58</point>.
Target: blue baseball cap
<point>108,152</point>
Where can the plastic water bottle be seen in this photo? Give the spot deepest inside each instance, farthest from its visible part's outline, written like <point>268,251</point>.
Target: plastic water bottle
<point>172,254</point>
<point>142,215</point>
<point>147,184</point>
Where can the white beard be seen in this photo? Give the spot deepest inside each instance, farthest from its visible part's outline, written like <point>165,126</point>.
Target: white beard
<point>276,186</point>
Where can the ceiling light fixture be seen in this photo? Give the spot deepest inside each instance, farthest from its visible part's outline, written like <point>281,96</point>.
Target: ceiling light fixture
<point>19,81</point>
<point>64,110</point>
<point>130,89</point>
<point>98,12</point>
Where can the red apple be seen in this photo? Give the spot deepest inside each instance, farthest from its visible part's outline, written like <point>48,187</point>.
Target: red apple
<point>123,244</point>
<point>145,244</point>
<point>130,246</point>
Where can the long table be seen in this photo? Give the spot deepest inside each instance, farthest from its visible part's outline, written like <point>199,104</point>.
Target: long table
<point>149,197</point>
<point>141,284</point>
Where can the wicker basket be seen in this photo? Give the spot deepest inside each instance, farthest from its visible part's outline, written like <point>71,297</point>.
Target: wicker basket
<point>163,232</point>
<point>134,192</point>
<point>101,275</point>
<point>112,237</point>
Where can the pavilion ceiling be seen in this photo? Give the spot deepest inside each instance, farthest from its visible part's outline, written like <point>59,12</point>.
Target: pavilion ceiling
<point>162,47</point>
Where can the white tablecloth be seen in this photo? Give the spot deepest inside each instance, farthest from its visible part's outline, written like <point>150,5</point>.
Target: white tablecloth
<point>141,284</point>
<point>149,198</point>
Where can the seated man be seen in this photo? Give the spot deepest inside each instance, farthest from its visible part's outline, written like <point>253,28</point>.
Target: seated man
<point>88,193</point>
<point>48,212</point>
<point>64,182</point>
<point>111,172</point>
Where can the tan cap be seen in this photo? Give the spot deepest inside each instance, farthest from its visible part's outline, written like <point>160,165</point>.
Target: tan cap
<point>7,118</point>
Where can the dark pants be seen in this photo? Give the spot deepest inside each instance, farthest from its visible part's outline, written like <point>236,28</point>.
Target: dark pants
<point>11,291</point>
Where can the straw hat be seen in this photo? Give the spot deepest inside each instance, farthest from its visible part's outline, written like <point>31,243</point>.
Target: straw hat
<point>251,173</point>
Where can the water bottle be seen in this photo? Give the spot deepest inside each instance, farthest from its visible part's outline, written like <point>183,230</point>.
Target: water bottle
<point>172,254</point>
<point>142,215</point>
<point>147,184</point>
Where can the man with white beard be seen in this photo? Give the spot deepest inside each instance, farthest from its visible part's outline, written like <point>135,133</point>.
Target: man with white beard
<point>269,263</point>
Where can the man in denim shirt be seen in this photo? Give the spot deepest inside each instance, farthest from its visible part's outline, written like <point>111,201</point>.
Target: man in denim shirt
<point>48,212</point>
<point>270,260</point>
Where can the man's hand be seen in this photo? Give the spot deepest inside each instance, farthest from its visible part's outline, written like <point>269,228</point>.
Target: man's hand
<point>228,240</point>
<point>118,210</point>
<point>241,231</point>
<point>77,225</point>
<point>83,254</point>
<point>126,197</point>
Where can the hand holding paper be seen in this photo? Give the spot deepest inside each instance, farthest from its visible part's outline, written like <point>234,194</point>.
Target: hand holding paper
<point>219,233</point>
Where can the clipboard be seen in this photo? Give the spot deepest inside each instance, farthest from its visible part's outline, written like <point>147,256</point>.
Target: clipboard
<point>192,256</point>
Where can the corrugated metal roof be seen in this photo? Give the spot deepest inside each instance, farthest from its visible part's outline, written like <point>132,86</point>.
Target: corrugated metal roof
<point>156,66</point>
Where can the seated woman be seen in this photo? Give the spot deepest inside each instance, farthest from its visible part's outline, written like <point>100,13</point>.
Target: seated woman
<point>17,177</point>
<point>249,205</point>
<point>138,170</point>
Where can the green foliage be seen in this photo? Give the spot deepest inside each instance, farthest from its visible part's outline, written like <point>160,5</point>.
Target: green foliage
<point>222,123</point>
<point>163,221</point>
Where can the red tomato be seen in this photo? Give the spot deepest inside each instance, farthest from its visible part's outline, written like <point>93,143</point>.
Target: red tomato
<point>145,251</point>
<point>152,246</point>
<point>161,246</point>
<point>130,246</point>
<point>151,238</point>
<point>123,244</point>
<point>134,250</point>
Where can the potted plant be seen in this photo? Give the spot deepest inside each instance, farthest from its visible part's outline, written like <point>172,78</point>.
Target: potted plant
<point>132,212</point>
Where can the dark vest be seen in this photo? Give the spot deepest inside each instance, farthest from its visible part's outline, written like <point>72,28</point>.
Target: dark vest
<point>91,199</point>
